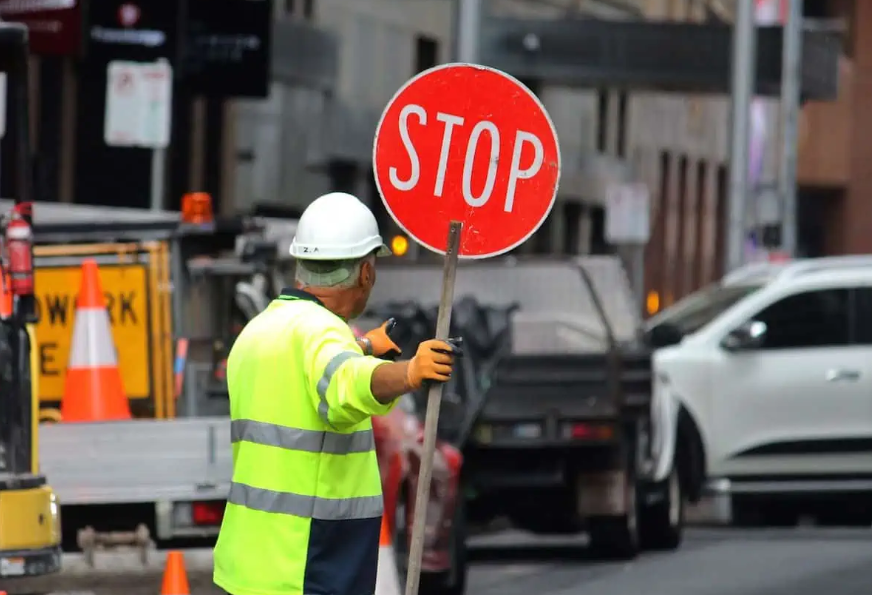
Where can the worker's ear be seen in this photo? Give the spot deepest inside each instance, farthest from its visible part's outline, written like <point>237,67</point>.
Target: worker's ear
<point>367,274</point>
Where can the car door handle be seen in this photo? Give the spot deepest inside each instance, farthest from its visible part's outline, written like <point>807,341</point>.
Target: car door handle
<point>838,375</point>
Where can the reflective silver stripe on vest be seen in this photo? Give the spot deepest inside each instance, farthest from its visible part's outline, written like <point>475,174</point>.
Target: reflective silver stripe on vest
<point>324,384</point>
<point>332,443</point>
<point>310,507</point>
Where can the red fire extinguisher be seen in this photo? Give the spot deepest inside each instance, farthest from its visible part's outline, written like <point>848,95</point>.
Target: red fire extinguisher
<point>19,252</point>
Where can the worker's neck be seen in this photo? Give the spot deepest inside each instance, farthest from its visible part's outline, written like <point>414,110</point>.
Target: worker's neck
<point>336,300</point>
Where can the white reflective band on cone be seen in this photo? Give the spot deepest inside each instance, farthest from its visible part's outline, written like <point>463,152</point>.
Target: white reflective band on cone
<point>387,580</point>
<point>92,345</point>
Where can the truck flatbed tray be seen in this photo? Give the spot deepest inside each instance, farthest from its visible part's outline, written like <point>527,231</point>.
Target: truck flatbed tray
<point>575,386</point>
<point>137,461</point>
<point>56,223</point>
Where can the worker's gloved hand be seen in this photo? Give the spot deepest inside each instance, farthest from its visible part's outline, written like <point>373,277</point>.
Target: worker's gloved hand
<point>378,342</point>
<point>434,361</point>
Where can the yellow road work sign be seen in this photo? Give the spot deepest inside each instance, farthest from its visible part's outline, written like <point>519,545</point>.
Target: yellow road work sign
<point>126,294</point>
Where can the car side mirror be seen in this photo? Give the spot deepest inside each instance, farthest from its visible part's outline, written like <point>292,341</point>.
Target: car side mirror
<point>750,335</point>
<point>664,334</point>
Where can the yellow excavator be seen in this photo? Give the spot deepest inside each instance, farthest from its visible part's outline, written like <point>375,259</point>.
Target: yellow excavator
<point>30,536</point>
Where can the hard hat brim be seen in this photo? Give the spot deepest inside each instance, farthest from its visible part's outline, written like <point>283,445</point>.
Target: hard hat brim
<point>302,254</point>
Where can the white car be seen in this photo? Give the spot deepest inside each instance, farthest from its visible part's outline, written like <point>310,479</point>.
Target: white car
<point>773,370</point>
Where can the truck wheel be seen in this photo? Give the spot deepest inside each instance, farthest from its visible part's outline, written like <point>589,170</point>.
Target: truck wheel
<point>662,522</point>
<point>617,537</point>
<point>544,523</point>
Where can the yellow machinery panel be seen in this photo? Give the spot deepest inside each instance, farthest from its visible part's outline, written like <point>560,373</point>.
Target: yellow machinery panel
<point>31,519</point>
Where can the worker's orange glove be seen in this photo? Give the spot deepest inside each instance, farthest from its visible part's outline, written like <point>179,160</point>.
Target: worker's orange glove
<point>378,342</point>
<point>434,361</point>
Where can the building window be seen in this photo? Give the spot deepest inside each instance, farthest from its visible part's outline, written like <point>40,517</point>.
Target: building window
<point>301,9</point>
<point>573,213</point>
<point>426,53</point>
<point>541,240</point>
<point>623,100</point>
<point>721,198</point>
<point>602,123</point>
<point>816,9</point>
<point>598,243</point>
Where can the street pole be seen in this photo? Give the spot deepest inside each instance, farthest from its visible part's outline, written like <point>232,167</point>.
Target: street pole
<point>790,91</point>
<point>158,178</point>
<point>744,76</point>
<point>468,30</point>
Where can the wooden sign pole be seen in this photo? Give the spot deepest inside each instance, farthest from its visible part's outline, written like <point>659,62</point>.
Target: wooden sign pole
<point>434,402</point>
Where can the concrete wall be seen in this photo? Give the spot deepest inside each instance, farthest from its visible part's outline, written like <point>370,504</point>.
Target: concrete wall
<point>284,141</point>
<point>378,43</point>
<point>377,55</point>
<point>294,132</point>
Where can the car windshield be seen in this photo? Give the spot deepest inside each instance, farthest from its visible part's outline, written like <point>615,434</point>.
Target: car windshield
<point>700,308</point>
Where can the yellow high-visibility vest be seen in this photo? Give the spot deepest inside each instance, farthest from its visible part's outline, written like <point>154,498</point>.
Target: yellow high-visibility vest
<point>304,511</point>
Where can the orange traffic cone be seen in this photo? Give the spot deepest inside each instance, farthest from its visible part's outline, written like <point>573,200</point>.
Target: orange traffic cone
<point>175,579</point>
<point>387,580</point>
<point>5,304</point>
<point>93,390</point>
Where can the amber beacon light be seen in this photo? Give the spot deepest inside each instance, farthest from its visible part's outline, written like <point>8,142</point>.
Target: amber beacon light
<point>652,303</point>
<point>197,208</point>
<point>399,245</point>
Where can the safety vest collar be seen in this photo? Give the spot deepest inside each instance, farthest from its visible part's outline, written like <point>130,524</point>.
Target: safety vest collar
<point>290,294</point>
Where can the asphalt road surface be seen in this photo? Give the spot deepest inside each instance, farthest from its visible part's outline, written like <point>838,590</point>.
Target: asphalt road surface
<point>803,561</point>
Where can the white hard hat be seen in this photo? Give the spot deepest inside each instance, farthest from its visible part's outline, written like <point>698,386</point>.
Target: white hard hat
<point>337,226</point>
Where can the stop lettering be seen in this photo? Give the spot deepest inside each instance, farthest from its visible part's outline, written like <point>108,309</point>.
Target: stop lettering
<point>468,143</point>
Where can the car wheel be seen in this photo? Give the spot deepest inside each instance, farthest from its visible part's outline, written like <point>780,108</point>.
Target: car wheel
<point>617,537</point>
<point>452,582</point>
<point>661,523</point>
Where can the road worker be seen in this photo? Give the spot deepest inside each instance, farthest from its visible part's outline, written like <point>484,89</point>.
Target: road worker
<point>304,510</point>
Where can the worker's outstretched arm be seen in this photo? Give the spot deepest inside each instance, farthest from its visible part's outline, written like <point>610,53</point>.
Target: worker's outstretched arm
<point>340,379</point>
<point>350,387</point>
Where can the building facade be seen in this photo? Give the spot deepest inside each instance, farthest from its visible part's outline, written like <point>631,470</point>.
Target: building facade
<point>308,139</point>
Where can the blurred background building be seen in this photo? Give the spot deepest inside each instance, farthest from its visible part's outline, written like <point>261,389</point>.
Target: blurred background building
<point>334,64</point>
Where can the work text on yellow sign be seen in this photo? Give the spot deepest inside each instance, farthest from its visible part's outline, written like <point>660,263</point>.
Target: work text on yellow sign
<point>126,292</point>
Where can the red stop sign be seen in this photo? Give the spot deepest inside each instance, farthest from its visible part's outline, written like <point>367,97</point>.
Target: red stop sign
<point>467,143</point>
